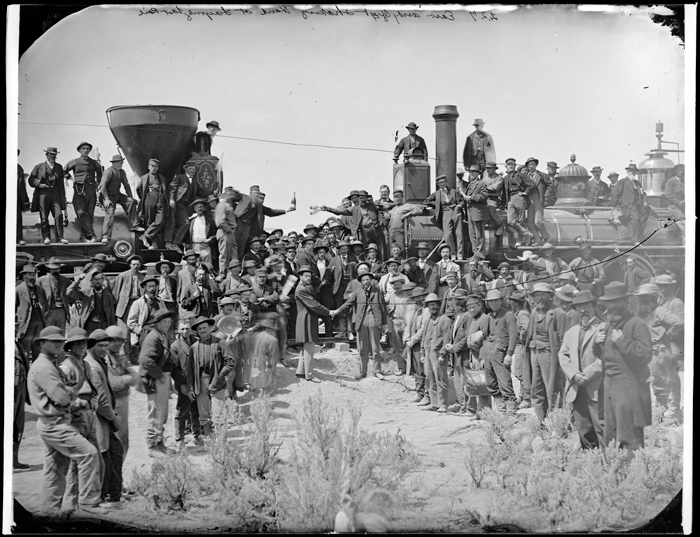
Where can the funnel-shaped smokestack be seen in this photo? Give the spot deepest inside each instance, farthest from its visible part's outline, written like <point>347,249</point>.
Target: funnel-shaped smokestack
<point>154,131</point>
<point>446,142</point>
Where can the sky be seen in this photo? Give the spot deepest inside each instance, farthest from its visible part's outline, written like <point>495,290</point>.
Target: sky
<point>548,81</point>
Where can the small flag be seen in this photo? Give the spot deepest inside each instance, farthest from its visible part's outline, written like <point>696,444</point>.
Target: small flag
<point>294,200</point>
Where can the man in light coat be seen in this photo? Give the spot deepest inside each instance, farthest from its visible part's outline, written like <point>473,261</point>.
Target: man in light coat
<point>127,290</point>
<point>142,313</point>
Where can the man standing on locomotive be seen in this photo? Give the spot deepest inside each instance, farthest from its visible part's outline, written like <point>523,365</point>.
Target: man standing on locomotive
<point>536,202</point>
<point>494,188</point>
<point>479,147</point>
<point>86,172</point>
<point>475,196</point>
<point>448,215</point>
<point>516,188</point>
<point>412,141</point>
<point>49,195</point>
<point>153,193</point>
<point>597,192</point>
<point>628,197</point>
<point>110,185</point>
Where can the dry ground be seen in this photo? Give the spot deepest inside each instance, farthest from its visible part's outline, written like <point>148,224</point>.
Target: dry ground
<point>441,494</point>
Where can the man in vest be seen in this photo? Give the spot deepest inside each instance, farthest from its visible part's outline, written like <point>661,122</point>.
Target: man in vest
<point>55,288</point>
<point>181,195</point>
<point>516,189</point>
<point>87,174</point>
<point>112,180</point>
<point>448,215</point>
<point>49,195</point>
<point>153,205</point>
<point>494,188</point>
<point>127,290</point>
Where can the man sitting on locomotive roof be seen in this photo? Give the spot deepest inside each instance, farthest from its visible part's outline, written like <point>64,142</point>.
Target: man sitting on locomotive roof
<point>536,204</point>
<point>516,189</point>
<point>49,195</point>
<point>448,215</point>
<point>203,140</point>
<point>597,192</point>
<point>110,185</point>
<point>411,142</point>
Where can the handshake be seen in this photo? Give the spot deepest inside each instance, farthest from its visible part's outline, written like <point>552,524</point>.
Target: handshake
<point>333,313</point>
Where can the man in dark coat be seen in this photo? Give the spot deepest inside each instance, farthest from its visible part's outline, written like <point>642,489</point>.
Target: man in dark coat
<point>153,204</point>
<point>411,144</point>
<point>448,215</point>
<point>258,225</point>
<point>22,202</point>
<point>98,308</point>
<point>597,192</point>
<point>628,197</point>
<point>56,290</point>
<point>126,291</point>
<point>626,354</point>
<point>49,195</point>
<point>181,195</point>
<point>634,275</point>
<point>203,140</point>
<point>516,189</point>
<point>475,196</point>
<point>20,398</point>
<point>479,147</point>
<point>308,311</point>
<point>535,206</point>
<point>113,179</point>
<point>198,299</point>
<point>87,174</point>
<point>674,192</point>
<point>31,308</point>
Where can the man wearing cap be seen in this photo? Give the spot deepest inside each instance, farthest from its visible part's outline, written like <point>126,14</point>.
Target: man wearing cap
<point>665,328</point>
<point>626,352</point>
<point>98,307</point>
<point>535,206</point>
<point>127,290</point>
<point>436,336</point>
<point>498,348</point>
<point>181,194</point>
<point>479,147</point>
<point>628,197</point>
<point>211,361</point>
<point>120,379</point>
<point>87,173</point>
<point>308,311</point>
<point>494,189</point>
<point>397,215</point>
<point>141,313</point>
<point>156,364</point>
<point>475,196</point>
<point>153,205</point>
<point>107,421</point>
<point>411,145</point>
<point>51,398</point>
<point>517,187</point>
<point>55,288</point>
<point>447,304</point>
<point>225,220</point>
<point>579,357</point>
<point>597,191</point>
<point>110,194</point>
<point>232,281</point>
<point>674,192</point>
<point>544,335</point>
<point>167,285</point>
<point>369,312</point>
<point>49,197</point>
<point>204,139</point>
<point>198,298</point>
<point>448,214</point>
<point>589,271</point>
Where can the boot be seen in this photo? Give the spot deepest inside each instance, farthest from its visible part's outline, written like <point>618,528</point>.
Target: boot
<point>208,429</point>
<point>511,408</point>
<point>500,404</point>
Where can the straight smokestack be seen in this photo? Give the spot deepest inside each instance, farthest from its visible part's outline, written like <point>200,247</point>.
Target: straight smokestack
<point>446,142</point>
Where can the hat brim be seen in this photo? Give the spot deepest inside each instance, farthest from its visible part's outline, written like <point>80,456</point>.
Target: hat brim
<point>56,337</point>
<point>611,298</point>
<point>90,341</point>
<point>210,322</point>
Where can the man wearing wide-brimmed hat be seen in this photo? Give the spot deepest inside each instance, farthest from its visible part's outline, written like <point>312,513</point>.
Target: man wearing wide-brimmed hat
<point>97,306</point>
<point>411,145</point>
<point>155,367</point>
<point>674,192</point>
<point>479,147</point>
<point>588,270</point>
<point>628,197</point>
<point>127,290</point>
<point>112,180</point>
<point>625,342</point>
<point>87,173</point>
<point>153,204</point>
<point>51,398</point>
<point>140,319</point>
<point>202,231</point>
<point>597,191</point>
<point>535,202</point>
<point>544,334</point>
<point>55,288</point>
<point>203,140</point>
<point>579,360</point>
<point>435,337</point>
<point>49,197</point>
<point>31,306</point>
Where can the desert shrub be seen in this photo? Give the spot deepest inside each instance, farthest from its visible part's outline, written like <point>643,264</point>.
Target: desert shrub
<point>479,462</point>
<point>171,482</point>
<point>331,458</point>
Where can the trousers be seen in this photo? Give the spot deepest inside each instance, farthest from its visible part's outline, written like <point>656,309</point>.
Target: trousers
<point>368,337</point>
<point>126,203</point>
<point>179,223</point>
<point>84,204</point>
<point>453,231</point>
<point>517,207</point>
<point>306,360</point>
<point>418,369</point>
<point>208,403</point>
<point>28,340</point>
<point>619,417</point>
<point>522,370</point>
<point>496,219</point>
<point>588,424</point>
<point>113,459</point>
<point>498,380</point>
<point>50,204</point>
<point>535,218</point>
<point>158,411</point>
<point>122,409</point>
<point>476,235</point>
<point>186,412</point>
<point>154,214</point>
<point>63,444</point>
<point>228,249</point>
<point>436,380</point>
<point>57,317</point>
<point>85,421</point>
<point>542,400</point>
<point>665,380</point>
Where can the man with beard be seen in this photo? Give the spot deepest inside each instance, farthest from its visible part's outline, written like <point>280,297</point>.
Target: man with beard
<point>127,290</point>
<point>55,288</point>
<point>516,189</point>
<point>98,308</point>
<point>181,190</point>
<point>87,173</point>
<point>504,282</point>
<point>385,204</point>
<point>626,353</point>
<point>417,315</point>
<point>579,358</point>
<point>478,273</point>
<point>324,273</point>
<point>186,275</point>
<point>393,272</point>
<point>186,412</point>
<point>426,268</point>
<point>524,281</point>
<point>674,192</point>
<point>107,420</point>
<point>202,232</point>
<point>232,281</point>
<point>544,334</point>
<point>142,312</point>
<point>664,326</point>
<point>435,336</point>
<point>498,348</point>
<point>112,180</point>
<point>628,197</point>
<point>167,285</point>
<point>153,190</point>
<point>198,298</point>
<point>552,263</point>
<point>99,264</point>
<point>590,272</point>
<point>49,196</point>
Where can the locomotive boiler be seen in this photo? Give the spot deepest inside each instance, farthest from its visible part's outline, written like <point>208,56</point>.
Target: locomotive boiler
<point>569,222</point>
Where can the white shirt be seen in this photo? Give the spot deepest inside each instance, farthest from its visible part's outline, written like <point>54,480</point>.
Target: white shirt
<point>199,229</point>
<point>421,263</point>
<point>321,264</point>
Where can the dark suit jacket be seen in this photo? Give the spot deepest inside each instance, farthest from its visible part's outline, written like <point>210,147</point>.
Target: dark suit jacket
<point>525,185</point>
<point>406,144</point>
<point>308,311</point>
<point>458,337</point>
<point>597,194</point>
<point>259,223</point>
<point>142,190</point>
<point>39,176</point>
<point>468,153</point>
<point>23,306</point>
<point>111,183</point>
<point>88,303</point>
<point>181,189</point>
<point>363,304</point>
<point>476,208</point>
<point>636,277</point>
<point>246,208</point>
<point>437,199</point>
<point>122,291</point>
<point>627,197</point>
<point>45,283</point>
<point>22,196</point>
<point>180,350</point>
<point>189,304</point>
<point>209,226</point>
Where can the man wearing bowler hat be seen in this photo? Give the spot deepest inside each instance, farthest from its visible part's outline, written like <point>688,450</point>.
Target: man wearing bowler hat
<point>55,288</point>
<point>87,176</point>
<point>628,197</point>
<point>156,364</point>
<point>31,306</point>
<point>181,195</point>
<point>52,398</point>
<point>597,191</point>
<point>49,196</point>
<point>448,214</point>
<point>626,351</point>
<point>112,180</point>
<point>579,357</point>
<point>126,291</point>
<point>536,201</point>
<point>411,145</point>
<point>153,205</point>
<point>203,140</point>
<point>479,147</point>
